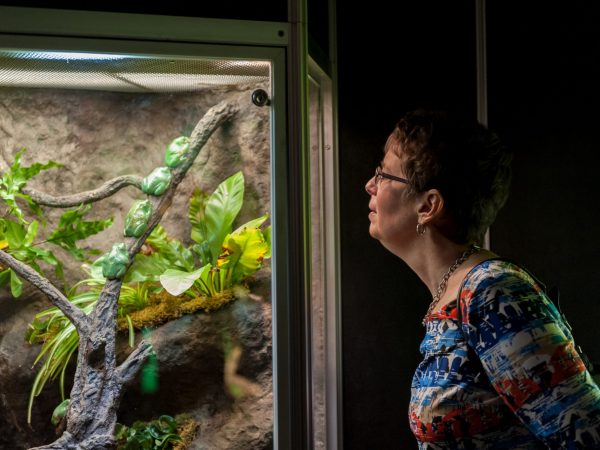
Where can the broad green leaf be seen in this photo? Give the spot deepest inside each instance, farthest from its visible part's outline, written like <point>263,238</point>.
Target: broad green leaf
<point>16,285</point>
<point>254,223</point>
<point>176,282</point>
<point>243,254</point>
<point>221,210</point>
<point>14,233</point>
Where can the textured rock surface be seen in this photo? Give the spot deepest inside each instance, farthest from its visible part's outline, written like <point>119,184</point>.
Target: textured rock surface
<point>191,360</point>
<point>100,135</point>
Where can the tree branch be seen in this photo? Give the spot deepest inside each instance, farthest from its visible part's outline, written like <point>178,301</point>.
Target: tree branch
<point>67,201</point>
<point>203,130</point>
<point>134,362</point>
<point>75,315</point>
<point>213,118</point>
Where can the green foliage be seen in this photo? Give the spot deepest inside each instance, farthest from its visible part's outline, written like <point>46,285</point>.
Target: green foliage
<point>72,228</point>
<point>14,178</point>
<point>221,209</point>
<point>239,253</point>
<point>157,435</point>
<point>18,239</point>
<point>18,235</point>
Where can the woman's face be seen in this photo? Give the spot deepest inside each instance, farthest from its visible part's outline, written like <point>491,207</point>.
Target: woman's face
<point>393,213</point>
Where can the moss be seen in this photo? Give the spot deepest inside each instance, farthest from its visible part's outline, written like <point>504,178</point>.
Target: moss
<point>164,307</point>
<point>187,428</point>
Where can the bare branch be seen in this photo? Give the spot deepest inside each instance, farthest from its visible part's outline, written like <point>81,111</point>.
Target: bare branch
<point>67,201</point>
<point>134,362</point>
<point>75,315</point>
<point>213,118</point>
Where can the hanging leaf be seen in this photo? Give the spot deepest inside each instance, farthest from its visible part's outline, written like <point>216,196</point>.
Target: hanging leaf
<point>16,285</point>
<point>4,276</point>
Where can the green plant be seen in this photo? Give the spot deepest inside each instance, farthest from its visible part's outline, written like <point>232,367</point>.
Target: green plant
<point>13,180</point>
<point>160,434</point>
<point>18,236</point>
<point>227,257</point>
<point>168,260</point>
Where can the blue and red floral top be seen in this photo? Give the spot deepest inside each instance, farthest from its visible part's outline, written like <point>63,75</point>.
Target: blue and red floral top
<point>508,377</point>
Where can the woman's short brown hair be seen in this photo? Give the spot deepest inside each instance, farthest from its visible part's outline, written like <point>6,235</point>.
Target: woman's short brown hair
<point>463,160</point>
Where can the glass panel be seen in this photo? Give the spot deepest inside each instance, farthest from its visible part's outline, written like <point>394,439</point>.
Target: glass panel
<point>120,129</point>
<point>318,353</point>
<point>324,313</point>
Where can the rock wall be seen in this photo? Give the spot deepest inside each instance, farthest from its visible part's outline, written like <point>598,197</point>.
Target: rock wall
<point>97,136</point>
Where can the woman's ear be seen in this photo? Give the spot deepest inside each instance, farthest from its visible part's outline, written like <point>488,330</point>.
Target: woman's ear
<point>430,205</point>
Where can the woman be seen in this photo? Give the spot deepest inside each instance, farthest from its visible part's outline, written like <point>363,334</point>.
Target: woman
<point>500,370</point>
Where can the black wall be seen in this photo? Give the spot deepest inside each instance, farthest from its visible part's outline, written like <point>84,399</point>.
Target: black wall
<point>393,57</point>
<point>543,75</point>
<point>544,71</point>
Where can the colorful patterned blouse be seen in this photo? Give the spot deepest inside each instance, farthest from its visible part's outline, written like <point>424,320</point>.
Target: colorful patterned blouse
<point>510,379</point>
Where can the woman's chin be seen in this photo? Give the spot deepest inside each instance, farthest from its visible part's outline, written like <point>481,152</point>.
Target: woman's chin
<point>373,231</point>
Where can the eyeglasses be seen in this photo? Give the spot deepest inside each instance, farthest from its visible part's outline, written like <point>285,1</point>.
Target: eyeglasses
<point>380,174</point>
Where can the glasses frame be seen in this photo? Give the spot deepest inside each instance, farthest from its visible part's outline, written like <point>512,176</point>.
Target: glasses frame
<point>380,174</point>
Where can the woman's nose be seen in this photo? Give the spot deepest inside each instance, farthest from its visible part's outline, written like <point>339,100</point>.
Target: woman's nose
<point>370,187</point>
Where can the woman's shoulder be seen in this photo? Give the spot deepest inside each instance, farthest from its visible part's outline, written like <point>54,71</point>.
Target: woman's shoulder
<point>499,271</point>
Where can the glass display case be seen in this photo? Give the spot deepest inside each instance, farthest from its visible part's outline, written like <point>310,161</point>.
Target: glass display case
<point>168,229</point>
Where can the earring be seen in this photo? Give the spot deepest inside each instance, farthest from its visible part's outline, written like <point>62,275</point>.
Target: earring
<point>420,229</point>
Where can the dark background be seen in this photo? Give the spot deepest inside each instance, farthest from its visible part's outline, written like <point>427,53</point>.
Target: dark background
<point>543,72</point>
